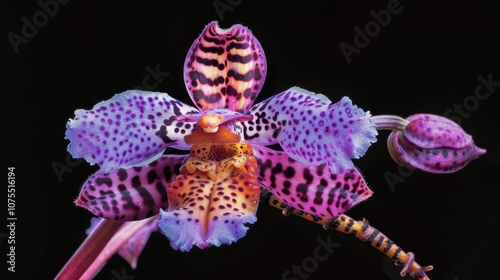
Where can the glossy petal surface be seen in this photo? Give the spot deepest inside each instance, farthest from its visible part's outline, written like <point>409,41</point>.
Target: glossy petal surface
<point>130,194</point>
<point>432,160</point>
<point>225,68</point>
<point>310,129</point>
<point>131,129</point>
<point>433,144</point>
<point>312,189</point>
<point>432,131</point>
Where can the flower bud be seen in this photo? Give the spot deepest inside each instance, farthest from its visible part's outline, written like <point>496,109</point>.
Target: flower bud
<point>432,144</point>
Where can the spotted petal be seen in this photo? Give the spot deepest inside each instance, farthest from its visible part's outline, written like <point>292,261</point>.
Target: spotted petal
<point>312,130</point>
<point>312,189</point>
<point>210,205</point>
<point>130,194</point>
<point>432,131</point>
<point>131,129</point>
<point>225,68</point>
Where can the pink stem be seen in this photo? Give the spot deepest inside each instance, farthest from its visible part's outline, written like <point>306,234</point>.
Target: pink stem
<point>89,250</point>
<point>114,244</point>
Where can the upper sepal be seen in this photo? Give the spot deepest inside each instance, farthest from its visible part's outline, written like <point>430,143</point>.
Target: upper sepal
<point>225,68</point>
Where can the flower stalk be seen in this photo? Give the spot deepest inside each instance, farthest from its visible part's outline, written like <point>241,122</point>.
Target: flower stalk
<point>89,250</point>
<point>389,122</point>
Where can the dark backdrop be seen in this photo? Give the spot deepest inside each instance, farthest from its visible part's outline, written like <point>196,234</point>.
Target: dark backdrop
<point>426,59</point>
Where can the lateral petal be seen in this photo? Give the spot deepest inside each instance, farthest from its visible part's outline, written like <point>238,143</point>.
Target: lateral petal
<point>130,194</point>
<point>312,130</point>
<point>312,189</point>
<point>132,128</point>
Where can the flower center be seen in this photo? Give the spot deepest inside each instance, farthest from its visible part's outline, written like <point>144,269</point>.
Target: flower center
<point>210,122</point>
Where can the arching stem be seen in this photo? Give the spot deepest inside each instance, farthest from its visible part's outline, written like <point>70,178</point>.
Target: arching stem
<point>364,232</point>
<point>389,122</point>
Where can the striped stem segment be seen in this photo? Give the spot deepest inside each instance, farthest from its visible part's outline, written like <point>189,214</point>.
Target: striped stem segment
<point>362,231</point>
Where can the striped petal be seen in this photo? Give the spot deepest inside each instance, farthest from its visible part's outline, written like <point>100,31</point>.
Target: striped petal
<point>131,129</point>
<point>312,189</point>
<point>130,194</point>
<point>312,130</point>
<point>225,68</point>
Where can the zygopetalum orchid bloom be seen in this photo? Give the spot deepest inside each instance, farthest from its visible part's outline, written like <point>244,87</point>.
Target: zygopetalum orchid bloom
<point>207,195</point>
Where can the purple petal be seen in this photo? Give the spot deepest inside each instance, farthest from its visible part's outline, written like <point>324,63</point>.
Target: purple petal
<point>131,129</point>
<point>225,68</point>
<point>432,131</point>
<point>312,130</point>
<point>312,189</point>
<point>130,194</point>
<point>94,221</point>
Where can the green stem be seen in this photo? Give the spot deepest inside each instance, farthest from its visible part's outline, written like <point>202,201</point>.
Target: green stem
<point>389,122</point>
<point>89,250</point>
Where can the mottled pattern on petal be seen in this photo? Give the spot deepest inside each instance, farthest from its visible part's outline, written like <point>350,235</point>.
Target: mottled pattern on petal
<point>213,199</point>
<point>437,160</point>
<point>225,68</point>
<point>312,130</point>
<point>432,131</point>
<point>130,194</point>
<point>131,129</point>
<point>312,189</point>
<point>209,213</point>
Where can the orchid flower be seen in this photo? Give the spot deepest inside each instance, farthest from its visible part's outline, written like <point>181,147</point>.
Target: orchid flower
<point>207,195</point>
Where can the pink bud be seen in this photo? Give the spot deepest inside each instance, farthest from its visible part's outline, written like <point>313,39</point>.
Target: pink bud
<point>432,144</point>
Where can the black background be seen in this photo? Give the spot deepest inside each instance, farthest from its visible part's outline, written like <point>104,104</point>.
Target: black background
<point>427,59</point>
